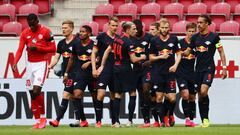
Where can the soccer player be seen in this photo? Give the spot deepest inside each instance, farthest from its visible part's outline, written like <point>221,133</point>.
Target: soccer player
<point>206,43</point>
<point>162,54</point>
<point>142,75</point>
<point>81,60</point>
<point>64,49</point>
<point>106,77</point>
<point>123,75</point>
<point>154,30</point>
<point>39,43</point>
<point>185,77</point>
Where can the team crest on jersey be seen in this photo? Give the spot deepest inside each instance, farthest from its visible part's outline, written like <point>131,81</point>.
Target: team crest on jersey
<point>28,37</point>
<point>100,84</point>
<point>155,87</point>
<point>182,85</point>
<point>40,36</point>
<point>170,44</point>
<point>34,40</point>
<point>70,48</point>
<point>89,50</point>
<point>207,42</point>
<point>144,43</point>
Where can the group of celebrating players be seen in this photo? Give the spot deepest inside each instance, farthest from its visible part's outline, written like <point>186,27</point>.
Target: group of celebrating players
<point>150,63</point>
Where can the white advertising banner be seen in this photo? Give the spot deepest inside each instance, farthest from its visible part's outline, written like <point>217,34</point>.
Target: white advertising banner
<point>15,100</point>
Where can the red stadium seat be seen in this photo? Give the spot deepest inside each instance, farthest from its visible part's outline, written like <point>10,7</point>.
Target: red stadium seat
<point>221,8</point>
<point>150,13</point>
<point>23,13</point>
<point>45,6</point>
<point>220,12</point>
<point>94,26</point>
<point>209,4</point>
<point>173,12</point>
<point>105,27</point>
<point>8,9</point>
<point>236,14</point>
<point>179,28</point>
<point>229,28</point>
<point>102,14</point>
<point>212,27</point>
<point>232,3</point>
<point>127,12</point>
<point>194,11</point>
<point>3,20</point>
<point>12,28</point>
<point>116,4</point>
<point>174,9</point>
<point>140,3</point>
<point>101,20</point>
<point>19,3</point>
<point>3,2</point>
<point>163,3</point>
<point>107,9</point>
<point>186,3</point>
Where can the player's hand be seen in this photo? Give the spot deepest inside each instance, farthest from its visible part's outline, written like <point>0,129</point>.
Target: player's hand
<point>95,73</point>
<point>14,67</point>
<point>224,74</point>
<point>50,67</point>
<point>164,56</point>
<point>147,64</point>
<point>99,70</point>
<point>32,47</point>
<point>85,65</point>
<point>173,69</point>
<point>65,78</point>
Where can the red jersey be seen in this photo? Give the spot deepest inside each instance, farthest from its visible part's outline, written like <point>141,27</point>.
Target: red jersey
<point>42,39</point>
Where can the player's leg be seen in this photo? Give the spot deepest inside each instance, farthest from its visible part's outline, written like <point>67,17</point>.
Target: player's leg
<point>153,109</point>
<point>131,106</point>
<point>171,97</point>
<point>39,74</point>
<point>204,99</point>
<point>67,95</point>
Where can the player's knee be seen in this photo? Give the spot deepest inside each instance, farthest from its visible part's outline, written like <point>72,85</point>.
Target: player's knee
<point>78,94</point>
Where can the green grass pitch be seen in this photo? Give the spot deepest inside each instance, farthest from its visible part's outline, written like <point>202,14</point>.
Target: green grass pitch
<point>107,130</point>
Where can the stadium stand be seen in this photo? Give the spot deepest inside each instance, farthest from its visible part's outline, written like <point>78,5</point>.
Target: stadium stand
<point>209,4</point>
<point>94,26</point>
<point>220,12</point>
<point>229,28</point>
<point>163,3</point>
<point>232,3</point>
<point>45,6</point>
<point>102,14</point>
<point>19,3</point>
<point>179,28</point>
<point>139,4</point>
<point>117,3</point>
<point>12,28</point>
<point>24,10</point>
<point>173,12</point>
<point>186,3</point>
<point>150,13</point>
<point>194,10</point>
<point>127,12</point>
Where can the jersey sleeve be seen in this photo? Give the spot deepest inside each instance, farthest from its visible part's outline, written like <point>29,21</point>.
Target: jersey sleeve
<point>130,47</point>
<point>192,42</point>
<point>218,43</point>
<point>177,46</point>
<point>59,49</point>
<point>152,47</point>
<point>97,41</point>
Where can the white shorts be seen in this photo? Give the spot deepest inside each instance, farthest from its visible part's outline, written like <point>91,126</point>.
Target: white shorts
<point>36,74</point>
